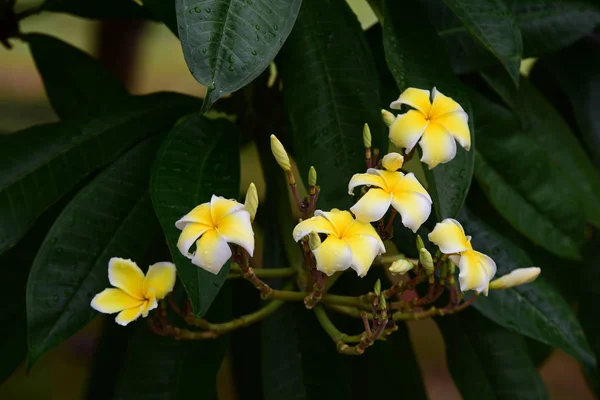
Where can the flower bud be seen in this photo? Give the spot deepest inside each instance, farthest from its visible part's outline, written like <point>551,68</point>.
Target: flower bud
<point>312,176</point>
<point>251,202</point>
<point>382,302</point>
<point>392,161</point>
<point>314,240</point>
<point>401,267</point>
<point>388,117</point>
<point>280,154</point>
<point>519,276</point>
<point>420,244</point>
<point>367,136</point>
<point>426,260</point>
<point>377,288</point>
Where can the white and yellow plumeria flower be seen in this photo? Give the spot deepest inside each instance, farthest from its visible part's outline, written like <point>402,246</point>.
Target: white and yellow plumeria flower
<point>437,123</point>
<point>349,244</point>
<point>134,294</point>
<point>476,269</point>
<point>516,277</point>
<point>403,192</point>
<point>212,226</point>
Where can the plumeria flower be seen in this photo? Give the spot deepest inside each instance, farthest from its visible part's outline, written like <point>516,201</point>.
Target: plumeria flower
<point>212,226</point>
<point>437,123</point>
<point>391,187</point>
<point>349,243</point>
<point>516,277</point>
<point>476,269</point>
<point>134,294</point>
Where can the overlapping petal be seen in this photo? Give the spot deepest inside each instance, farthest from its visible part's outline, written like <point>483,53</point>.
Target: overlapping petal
<point>160,279</point>
<point>129,315</point>
<point>189,236</point>
<point>407,129</point>
<point>437,144</point>
<point>476,271</point>
<point>220,207</point>
<point>198,215</point>
<point>365,179</point>
<point>457,123</point>
<point>333,255</point>
<point>364,250</point>
<point>126,275</point>
<point>414,208</point>
<point>150,304</point>
<point>318,224</point>
<point>212,252</point>
<point>450,237</point>
<point>340,220</point>
<point>358,228</point>
<point>113,300</point>
<point>372,206</point>
<point>442,105</point>
<point>236,228</point>
<point>416,98</point>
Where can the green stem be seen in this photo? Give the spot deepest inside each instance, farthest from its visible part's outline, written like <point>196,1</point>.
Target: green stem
<point>360,302</point>
<point>236,272</point>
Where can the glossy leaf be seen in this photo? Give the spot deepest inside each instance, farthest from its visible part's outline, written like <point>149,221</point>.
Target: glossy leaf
<point>83,89</point>
<point>199,158</point>
<point>523,182</point>
<point>492,25</point>
<point>40,164</point>
<point>405,34</point>
<point>110,217</point>
<point>535,310</point>
<point>331,91</point>
<point>545,25</point>
<point>98,9</point>
<point>487,361</point>
<point>228,43</point>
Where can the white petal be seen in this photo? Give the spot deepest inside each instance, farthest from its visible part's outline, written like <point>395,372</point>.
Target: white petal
<point>318,224</point>
<point>438,145</point>
<point>189,236</point>
<point>364,250</point>
<point>476,271</point>
<point>372,206</point>
<point>407,129</point>
<point>414,208</point>
<point>212,252</point>
<point>449,236</point>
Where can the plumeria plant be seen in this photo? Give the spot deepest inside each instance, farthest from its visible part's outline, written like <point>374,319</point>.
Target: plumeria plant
<point>341,170</point>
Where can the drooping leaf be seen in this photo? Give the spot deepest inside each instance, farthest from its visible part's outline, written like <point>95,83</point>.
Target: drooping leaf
<point>98,9</point>
<point>228,43</point>
<point>487,361</point>
<point>331,91</point>
<point>110,217</point>
<point>492,24</point>
<point>523,182</point>
<point>545,25</point>
<point>199,158</point>
<point>40,164</point>
<point>84,89</point>
<point>535,310</point>
<point>406,33</point>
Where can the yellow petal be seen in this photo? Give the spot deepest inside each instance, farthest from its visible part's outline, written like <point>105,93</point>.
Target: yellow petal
<point>150,303</point>
<point>372,206</point>
<point>438,145</point>
<point>392,161</point>
<point>220,207</point>
<point>127,316</point>
<point>390,178</point>
<point>114,300</point>
<point>212,252</point>
<point>476,271</point>
<point>126,275</point>
<point>364,250</point>
<point>442,105</point>
<point>410,183</point>
<point>189,235</point>
<point>340,220</point>
<point>416,98</point>
<point>199,215</point>
<point>237,228</point>
<point>449,236</point>
<point>160,279</point>
<point>414,208</point>
<point>333,255</point>
<point>358,228</point>
<point>407,129</point>
<point>457,123</point>
<point>318,224</point>
<point>364,179</point>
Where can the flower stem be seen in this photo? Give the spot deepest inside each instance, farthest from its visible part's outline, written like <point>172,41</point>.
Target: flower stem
<point>236,272</point>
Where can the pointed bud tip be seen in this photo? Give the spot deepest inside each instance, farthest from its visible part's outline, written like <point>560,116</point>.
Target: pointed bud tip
<point>367,136</point>
<point>280,154</point>
<point>312,176</point>
<point>388,117</point>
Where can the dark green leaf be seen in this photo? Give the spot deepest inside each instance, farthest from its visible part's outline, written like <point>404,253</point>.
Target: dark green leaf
<point>40,164</point>
<point>163,10</point>
<point>199,158</point>
<point>523,182</point>
<point>228,43</point>
<point>406,34</point>
<point>487,361</point>
<point>111,217</point>
<point>535,310</point>
<point>491,23</point>
<point>83,89</point>
<point>162,368</point>
<point>545,25</point>
<point>331,91</point>
<point>98,9</point>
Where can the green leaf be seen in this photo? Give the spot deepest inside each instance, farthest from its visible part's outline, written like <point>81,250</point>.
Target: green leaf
<point>98,9</point>
<point>228,43</point>
<point>545,25</point>
<point>40,164</point>
<point>405,34</point>
<point>535,310</point>
<point>199,158</point>
<point>84,89</point>
<point>524,183</point>
<point>487,361</point>
<point>491,23</point>
<point>110,217</point>
<point>331,91</point>
<point>160,368</point>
